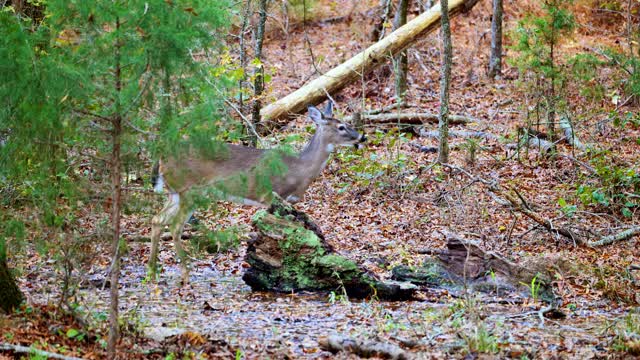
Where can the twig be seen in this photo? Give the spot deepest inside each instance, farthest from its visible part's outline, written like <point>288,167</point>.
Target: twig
<point>519,205</point>
<point>244,118</point>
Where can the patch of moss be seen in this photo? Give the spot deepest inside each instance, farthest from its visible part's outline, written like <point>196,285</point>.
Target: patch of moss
<point>305,262</point>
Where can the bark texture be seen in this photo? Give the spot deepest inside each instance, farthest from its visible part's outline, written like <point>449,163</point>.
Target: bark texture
<point>495,59</point>
<point>445,80</point>
<point>258,84</point>
<point>10,295</point>
<point>116,204</point>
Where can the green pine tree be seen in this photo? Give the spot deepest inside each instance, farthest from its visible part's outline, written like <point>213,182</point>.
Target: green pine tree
<point>99,80</point>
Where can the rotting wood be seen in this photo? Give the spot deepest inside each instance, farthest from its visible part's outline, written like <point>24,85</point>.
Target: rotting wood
<point>465,259</point>
<point>34,351</point>
<point>464,263</point>
<point>377,54</point>
<point>290,254</point>
<point>413,118</point>
<point>365,349</point>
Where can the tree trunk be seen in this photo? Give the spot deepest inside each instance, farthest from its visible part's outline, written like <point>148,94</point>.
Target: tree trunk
<point>400,61</point>
<point>495,60</point>
<point>259,72</point>
<point>344,74</point>
<point>445,80</point>
<point>116,194</point>
<point>10,295</point>
<point>243,58</point>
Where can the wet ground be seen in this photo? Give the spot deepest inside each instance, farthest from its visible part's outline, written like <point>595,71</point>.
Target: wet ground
<point>437,325</point>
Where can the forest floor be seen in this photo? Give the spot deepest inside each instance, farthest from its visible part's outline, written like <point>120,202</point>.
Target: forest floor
<point>380,207</point>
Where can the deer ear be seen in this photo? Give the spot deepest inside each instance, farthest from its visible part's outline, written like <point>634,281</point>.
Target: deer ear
<point>316,115</point>
<point>328,110</point>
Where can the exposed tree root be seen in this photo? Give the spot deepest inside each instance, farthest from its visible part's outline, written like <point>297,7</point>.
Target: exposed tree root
<point>362,348</point>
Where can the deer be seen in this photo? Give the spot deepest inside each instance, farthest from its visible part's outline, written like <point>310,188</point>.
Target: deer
<point>183,174</point>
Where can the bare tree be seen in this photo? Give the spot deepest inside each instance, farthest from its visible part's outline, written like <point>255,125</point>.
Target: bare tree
<point>243,53</point>
<point>116,204</point>
<point>445,80</point>
<point>495,60</point>
<point>400,62</point>
<point>258,84</point>
<point>386,6</point>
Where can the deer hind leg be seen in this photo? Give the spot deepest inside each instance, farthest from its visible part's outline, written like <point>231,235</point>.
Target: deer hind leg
<point>164,217</point>
<point>177,226</point>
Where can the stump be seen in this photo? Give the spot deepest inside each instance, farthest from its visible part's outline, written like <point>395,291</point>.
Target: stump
<point>485,271</point>
<point>290,254</point>
<point>10,295</point>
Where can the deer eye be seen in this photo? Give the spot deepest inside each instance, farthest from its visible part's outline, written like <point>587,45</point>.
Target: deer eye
<point>342,128</point>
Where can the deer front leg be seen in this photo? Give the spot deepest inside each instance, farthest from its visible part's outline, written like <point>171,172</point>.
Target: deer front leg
<point>164,217</point>
<point>177,226</point>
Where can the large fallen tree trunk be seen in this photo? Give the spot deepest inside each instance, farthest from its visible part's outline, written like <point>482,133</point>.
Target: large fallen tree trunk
<point>412,118</point>
<point>290,254</point>
<point>336,79</point>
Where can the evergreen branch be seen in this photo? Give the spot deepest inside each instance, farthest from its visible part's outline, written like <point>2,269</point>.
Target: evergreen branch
<point>130,124</point>
<point>97,116</point>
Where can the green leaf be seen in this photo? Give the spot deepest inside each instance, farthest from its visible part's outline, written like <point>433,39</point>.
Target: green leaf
<point>72,333</point>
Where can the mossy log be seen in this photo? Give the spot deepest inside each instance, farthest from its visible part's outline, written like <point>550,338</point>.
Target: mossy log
<point>290,254</point>
<point>10,295</point>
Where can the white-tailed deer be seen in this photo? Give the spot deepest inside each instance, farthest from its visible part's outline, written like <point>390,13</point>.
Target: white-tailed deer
<point>236,174</point>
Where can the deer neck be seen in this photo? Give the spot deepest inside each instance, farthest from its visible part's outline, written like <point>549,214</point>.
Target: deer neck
<point>316,154</point>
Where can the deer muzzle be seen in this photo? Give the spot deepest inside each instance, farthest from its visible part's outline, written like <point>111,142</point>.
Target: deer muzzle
<point>361,140</point>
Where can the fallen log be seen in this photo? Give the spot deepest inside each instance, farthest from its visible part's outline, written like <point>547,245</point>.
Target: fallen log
<point>624,235</point>
<point>412,118</point>
<point>462,134</point>
<point>290,254</point>
<point>377,54</point>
